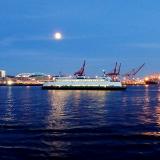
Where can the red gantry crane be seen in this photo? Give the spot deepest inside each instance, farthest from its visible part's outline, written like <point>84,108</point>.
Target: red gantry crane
<point>115,73</point>
<point>131,74</point>
<point>80,72</point>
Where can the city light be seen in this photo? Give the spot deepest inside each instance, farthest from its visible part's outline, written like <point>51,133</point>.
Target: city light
<point>9,82</point>
<point>146,79</point>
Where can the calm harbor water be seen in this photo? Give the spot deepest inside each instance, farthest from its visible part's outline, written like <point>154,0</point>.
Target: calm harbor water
<point>79,124</point>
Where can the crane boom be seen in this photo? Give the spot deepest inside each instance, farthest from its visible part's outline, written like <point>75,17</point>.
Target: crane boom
<point>133,72</point>
<point>136,71</point>
<point>81,71</point>
<point>116,70</point>
<point>119,69</point>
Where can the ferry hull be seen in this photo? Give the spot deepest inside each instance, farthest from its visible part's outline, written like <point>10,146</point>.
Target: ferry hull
<point>84,87</point>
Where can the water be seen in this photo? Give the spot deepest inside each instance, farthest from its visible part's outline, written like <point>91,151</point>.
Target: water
<point>79,124</point>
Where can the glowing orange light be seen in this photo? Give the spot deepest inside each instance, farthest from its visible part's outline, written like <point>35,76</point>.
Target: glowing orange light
<point>146,78</point>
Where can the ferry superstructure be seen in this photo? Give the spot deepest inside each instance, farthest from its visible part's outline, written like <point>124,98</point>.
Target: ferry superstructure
<point>83,83</point>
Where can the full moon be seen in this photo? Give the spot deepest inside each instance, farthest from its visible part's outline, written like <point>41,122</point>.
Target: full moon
<point>57,36</point>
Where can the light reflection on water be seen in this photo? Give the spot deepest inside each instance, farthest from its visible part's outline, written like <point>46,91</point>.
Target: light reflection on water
<point>68,108</point>
<point>66,114</point>
<point>8,115</point>
<point>157,115</point>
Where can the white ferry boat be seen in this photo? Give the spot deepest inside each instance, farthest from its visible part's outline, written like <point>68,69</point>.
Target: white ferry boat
<point>80,82</point>
<point>83,83</point>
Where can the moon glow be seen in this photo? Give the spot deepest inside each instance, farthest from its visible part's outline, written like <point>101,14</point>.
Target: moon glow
<point>57,36</point>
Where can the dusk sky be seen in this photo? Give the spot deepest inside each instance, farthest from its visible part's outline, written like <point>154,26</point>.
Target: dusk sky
<point>99,31</point>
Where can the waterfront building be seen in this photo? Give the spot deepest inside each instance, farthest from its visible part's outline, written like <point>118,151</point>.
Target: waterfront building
<point>2,74</point>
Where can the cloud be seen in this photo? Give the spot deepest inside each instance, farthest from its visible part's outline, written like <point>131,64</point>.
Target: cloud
<point>145,45</point>
<point>77,37</point>
<point>10,40</point>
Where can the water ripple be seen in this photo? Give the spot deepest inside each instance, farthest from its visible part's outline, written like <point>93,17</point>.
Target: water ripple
<point>79,124</point>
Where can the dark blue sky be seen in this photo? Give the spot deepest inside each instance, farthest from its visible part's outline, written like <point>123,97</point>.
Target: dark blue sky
<point>100,31</point>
